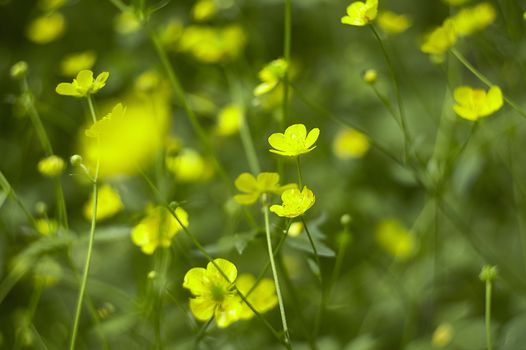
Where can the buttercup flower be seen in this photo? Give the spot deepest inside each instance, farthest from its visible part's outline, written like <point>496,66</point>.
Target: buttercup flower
<point>108,204</point>
<point>294,141</point>
<point>189,166</point>
<point>229,120</point>
<point>473,104</point>
<point>83,85</point>
<point>350,143</point>
<point>255,187</point>
<point>213,293</point>
<point>395,239</point>
<point>393,23</point>
<point>261,296</point>
<point>204,10</point>
<point>295,203</point>
<point>158,228</point>
<point>51,166</point>
<point>46,227</point>
<point>271,75</point>
<point>360,14</point>
<point>440,39</point>
<point>47,28</point>
<point>73,63</point>
<point>472,19</point>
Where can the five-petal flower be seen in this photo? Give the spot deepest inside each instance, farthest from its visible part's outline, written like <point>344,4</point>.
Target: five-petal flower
<point>83,85</point>
<point>295,203</point>
<point>473,104</point>
<point>294,141</point>
<point>359,13</point>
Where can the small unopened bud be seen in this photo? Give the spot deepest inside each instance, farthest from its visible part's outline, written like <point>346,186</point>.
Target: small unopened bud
<point>173,205</point>
<point>370,76</point>
<point>345,220</point>
<point>76,160</point>
<point>488,273</point>
<point>41,208</point>
<point>19,70</point>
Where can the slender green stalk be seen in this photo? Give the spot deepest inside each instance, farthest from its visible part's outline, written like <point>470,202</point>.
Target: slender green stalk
<point>33,304</point>
<point>275,272</point>
<point>89,254</point>
<point>10,192</point>
<point>300,179</point>
<point>488,314</point>
<point>484,79</point>
<point>286,55</point>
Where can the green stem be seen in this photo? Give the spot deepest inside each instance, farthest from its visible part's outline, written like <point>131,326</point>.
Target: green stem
<point>9,191</point>
<point>275,272</point>
<point>484,79</point>
<point>488,314</point>
<point>300,179</point>
<point>286,55</point>
<point>89,254</point>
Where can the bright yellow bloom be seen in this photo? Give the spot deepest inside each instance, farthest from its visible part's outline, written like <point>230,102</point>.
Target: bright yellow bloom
<point>73,63</point>
<point>204,10</point>
<point>83,85</point>
<point>295,229</point>
<point>229,120</point>
<point>472,19</point>
<point>262,297</point>
<point>360,14</point>
<point>442,335</point>
<point>370,76</point>
<point>295,203</point>
<point>189,166</point>
<point>294,141</point>
<point>109,203</point>
<point>271,75</point>
<point>158,228</point>
<point>213,45</point>
<point>46,227</point>
<point>213,293</point>
<point>51,166</point>
<point>440,39</point>
<point>255,187</point>
<point>395,239</point>
<point>393,23</point>
<point>350,143</point>
<point>47,28</point>
<point>473,104</point>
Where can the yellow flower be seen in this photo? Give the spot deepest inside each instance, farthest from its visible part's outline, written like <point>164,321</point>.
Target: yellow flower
<point>442,335</point>
<point>294,141</point>
<point>213,293</point>
<point>395,239</point>
<point>108,204</point>
<point>229,120</point>
<point>189,166</point>
<point>295,203</point>
<point>270,76</point>
<point>126,23</point>
<point>440,39</point>
<point>360,14</point>
<point>262,296</point>
<point>83,85</point>
<point>46,29</point>
<point>472,19</point>
<point>75,62</point>
<point>255,187</point>
<point>212,45</point>
<point>158,228</point>
<point>473,104</point>
<point>204,10</point>
<point>350,143</point>
<point>51,166</point>
<point>46,227</point>
<point>370,76</point>
<point>393,23</point>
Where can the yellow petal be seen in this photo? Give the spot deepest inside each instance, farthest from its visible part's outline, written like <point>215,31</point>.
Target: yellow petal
<point>202,308</point>
<point>85,79</point>
<point>228,311</point>
<point>246,199</point>
<point>494,99</point>
<point>246,182</point>
<point>267,181</point>
<point>296,132</point>
<point>277,141</point>
<point>228,269</point>
<point>312,137</point>
<point>67,89</point>
<point>194,280</point>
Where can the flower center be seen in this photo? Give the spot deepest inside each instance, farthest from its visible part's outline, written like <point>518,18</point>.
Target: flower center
<point>218,293</point>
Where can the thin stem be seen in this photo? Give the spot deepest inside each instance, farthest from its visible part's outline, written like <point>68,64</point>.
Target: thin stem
<point>275,272</point>
<point>484,79</point>
<point>488,314</point>
<point>89,254</point>
<point>300,180</point>
<point>8,189</point>
<point>286,55</point>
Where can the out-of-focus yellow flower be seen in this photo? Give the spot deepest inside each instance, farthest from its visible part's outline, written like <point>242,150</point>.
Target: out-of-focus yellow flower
<point>442,335</point>
<point>109,203</point>
<point>271,75</point>
<point>213,45</point>
<point>370,76</point>
<point>189,166</point>
<point>360,14</point>
<point>204,10</point>
<point>158,228</point>
<point>350,143</point>
<point>261,296</point>
<point>126,23</point>
<point>473,104</point>
<point>472,19</point>
<point>393,23</point>
<point>456,2</point>
<point>47,272</point>
<point>256,186</point>
<point>295,229</point>
<point>395,239</point>
<point>51,5</point>
<point>46,29</point>
<point>294,141</point>
<point>295,203</point>
<point>73,63</point>
<point>171,33</point>
<point>46,227</point>
<point>83,85</point>
<point>213,293</point>
<point>51,166</point>
<point>229,120</point>
<point>438,41</point>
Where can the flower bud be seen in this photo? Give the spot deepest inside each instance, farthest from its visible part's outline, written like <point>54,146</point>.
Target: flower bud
<point>19,70</point>
<point>345,220</point>
<point>488,273</point>
<point>370,76</point>
<point>76,160</point>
